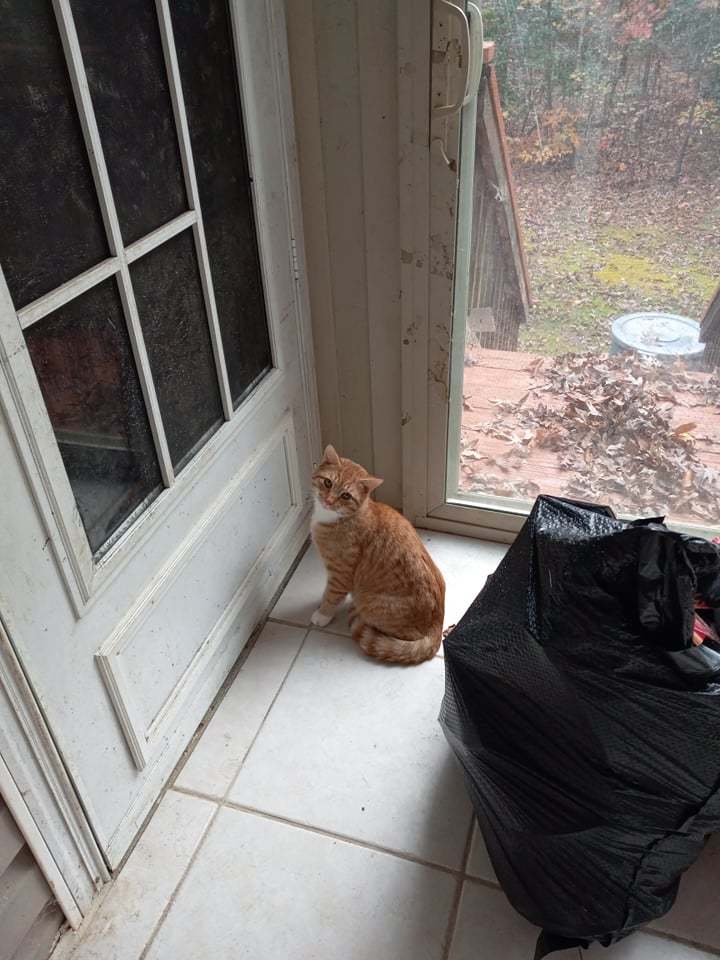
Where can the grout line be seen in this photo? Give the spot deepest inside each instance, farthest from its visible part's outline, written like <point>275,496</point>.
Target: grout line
<point>311,626</point>
<point>333,633</point>
<point>468,845</point>
<point>468,876</point>
<point>452,920</point>
<point>197,794</point>
<point>343,837</point>
<point>455,908</point>
<point>460,874</point>
<point>219,697</point>
<point>289,623</point>
<point>219,806</point>
<point>646,931</point>
<point>173,896</point>
<point>265,716</point>
<point>672,938</point>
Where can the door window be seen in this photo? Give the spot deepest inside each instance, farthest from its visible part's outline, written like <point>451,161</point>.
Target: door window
<point>129,245</point>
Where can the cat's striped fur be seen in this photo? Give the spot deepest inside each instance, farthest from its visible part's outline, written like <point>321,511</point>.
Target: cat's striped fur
<point>374,553</point>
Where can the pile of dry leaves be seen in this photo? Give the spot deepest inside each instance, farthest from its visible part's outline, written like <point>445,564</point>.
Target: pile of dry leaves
<point>610,422</point>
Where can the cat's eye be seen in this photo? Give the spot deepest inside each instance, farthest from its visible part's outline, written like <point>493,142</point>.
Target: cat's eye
<point>328,483</point>
<point>345,496</point>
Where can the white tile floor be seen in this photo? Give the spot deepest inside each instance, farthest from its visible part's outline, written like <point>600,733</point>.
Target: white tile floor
<point>321,816</point>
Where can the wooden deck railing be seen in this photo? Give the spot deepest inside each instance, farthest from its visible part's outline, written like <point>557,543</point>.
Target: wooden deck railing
<point>499,282</point>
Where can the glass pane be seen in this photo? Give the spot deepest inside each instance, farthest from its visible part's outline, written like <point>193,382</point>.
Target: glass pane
<point>209,80</point>
<point>126,73</point>
<point>598,179</point>
<point>51,223</point>
<point>83,361</point>
<point>172,313</point>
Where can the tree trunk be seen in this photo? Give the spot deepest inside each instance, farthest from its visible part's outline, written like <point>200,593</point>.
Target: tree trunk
<point>610,96</point>
<point>549,56</point>
<point>581,42</point>
<point>697,69</point>
<point>644,106</point>
<point>686,138</point>
<point>649,59</point>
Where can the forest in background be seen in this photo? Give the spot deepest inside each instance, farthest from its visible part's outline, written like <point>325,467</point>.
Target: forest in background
<point>612,109</point>
<point>624,89</point>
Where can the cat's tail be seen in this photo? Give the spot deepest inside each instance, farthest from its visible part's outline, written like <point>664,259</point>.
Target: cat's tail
<point>394,650</point>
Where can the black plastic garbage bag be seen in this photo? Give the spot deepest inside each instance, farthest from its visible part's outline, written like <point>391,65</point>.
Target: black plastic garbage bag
<point>586,722</point>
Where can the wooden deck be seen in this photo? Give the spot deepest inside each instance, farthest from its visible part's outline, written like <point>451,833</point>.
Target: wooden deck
<point>498,375</point>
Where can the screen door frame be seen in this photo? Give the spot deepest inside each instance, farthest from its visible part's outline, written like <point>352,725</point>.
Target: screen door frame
<point>436,49</point>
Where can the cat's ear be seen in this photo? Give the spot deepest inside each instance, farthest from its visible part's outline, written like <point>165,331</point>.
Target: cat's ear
<point>370,483</point>
<point>331,456</point>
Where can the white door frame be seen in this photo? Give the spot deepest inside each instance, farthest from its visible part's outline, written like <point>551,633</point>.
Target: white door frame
<point>34,778</point>
<point>429,157</point>
<point>39,794</point>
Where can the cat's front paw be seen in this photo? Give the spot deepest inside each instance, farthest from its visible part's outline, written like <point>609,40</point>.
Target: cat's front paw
<point>319,619</point>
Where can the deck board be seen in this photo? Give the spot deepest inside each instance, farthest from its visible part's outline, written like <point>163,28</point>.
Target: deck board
<point>497,375</point>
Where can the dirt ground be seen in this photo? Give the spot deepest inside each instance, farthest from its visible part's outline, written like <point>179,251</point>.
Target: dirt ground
<point>595,253</point>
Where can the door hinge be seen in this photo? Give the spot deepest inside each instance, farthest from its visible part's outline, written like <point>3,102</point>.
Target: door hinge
<point>295,264</point>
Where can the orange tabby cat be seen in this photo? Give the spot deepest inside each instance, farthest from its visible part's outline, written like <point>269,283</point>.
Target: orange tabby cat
<point>373,552</point>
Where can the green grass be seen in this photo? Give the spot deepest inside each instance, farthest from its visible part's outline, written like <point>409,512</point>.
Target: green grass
<point>559,328</point>
<point>582,282</point>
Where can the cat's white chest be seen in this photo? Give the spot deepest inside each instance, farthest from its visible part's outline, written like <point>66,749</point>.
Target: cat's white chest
<point>321,514</point>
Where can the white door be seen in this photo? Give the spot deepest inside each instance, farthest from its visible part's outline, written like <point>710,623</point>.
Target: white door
<point>158,417</point>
